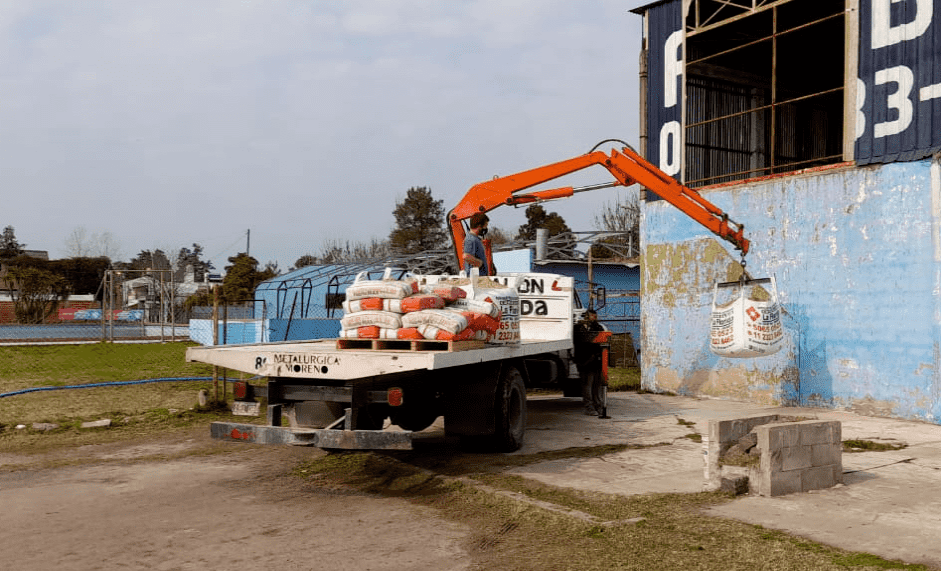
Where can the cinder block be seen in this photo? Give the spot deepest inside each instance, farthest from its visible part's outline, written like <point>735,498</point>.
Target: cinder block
<point>787,459</point>
<point>781,483</point>
<point>826,454</point>
<point>819,432</point>
<point>777,436</point>
<point>817,478</point>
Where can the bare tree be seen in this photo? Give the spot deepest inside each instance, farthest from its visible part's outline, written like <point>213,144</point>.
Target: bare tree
<point>621,216</point>
<point>81,244</point>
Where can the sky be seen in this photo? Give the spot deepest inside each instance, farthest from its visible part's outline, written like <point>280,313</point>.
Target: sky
<point>166,123</point>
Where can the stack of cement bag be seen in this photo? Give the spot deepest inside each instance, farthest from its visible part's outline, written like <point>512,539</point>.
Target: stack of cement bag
<point>403,309</point>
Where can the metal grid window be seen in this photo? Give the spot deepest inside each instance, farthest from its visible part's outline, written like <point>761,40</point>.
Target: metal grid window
<point>764,88</point>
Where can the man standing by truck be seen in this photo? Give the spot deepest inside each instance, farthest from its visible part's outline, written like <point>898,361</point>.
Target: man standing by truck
<point>588,355</point>
<point>474,253</point>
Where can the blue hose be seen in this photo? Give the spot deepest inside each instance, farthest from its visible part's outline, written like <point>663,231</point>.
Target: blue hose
<point>112,384</point>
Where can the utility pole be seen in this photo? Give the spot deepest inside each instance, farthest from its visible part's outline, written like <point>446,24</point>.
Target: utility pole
<point>248,242</point>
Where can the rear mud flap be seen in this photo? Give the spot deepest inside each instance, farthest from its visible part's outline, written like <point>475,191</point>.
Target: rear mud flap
<point>320,438</point>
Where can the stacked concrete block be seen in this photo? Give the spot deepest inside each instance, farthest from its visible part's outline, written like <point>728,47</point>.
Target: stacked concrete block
<point>723,434</point>
<point>798,457</point>
<point>794,456</point>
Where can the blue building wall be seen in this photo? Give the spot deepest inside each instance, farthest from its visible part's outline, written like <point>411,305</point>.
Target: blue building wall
<point>857,257</point>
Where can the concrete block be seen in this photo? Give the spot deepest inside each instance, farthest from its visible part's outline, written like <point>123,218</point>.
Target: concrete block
<point>826,454</point>
<point>818,432</point>
<point>97,423</point>
<point>818,478</point>
<point>786,459</point>
<point>782,483</point>
<point>44,426</point>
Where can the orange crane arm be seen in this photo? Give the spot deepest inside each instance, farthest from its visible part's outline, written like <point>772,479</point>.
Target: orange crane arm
<point>626,166</point>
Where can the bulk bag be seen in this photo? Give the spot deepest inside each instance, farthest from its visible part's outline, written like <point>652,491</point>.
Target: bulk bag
<point>750,324</point>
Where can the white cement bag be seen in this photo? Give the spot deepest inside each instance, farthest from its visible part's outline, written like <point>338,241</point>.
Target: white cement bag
<point>450,321</point>
<point>385,319</point>
<point>750,324</point>
<point>506,300</point>
<point>385,288</point>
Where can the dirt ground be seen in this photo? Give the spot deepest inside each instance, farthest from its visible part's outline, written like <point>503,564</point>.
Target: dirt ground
<point>186,502</point>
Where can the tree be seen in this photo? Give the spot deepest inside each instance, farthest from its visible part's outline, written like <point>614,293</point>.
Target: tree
<point>242,277</point>
<point>150,260</point>
<point>537,217</point>
<point>303,262</point>
<point>623,217</point>
<point>81,244</point>
<point>497,235</point>
<point>82,275</point>
<point>419,223</point>
<point>191,257</point>
<point>36,293</point>
<point>9,247</point>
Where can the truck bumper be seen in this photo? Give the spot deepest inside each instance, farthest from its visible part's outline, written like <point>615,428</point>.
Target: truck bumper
<point>320,438</point>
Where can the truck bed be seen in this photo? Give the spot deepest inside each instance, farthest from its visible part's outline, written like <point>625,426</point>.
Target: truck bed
<point>323,359</point>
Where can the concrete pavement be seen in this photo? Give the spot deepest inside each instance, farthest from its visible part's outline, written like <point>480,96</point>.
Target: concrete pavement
<point>888,505</point>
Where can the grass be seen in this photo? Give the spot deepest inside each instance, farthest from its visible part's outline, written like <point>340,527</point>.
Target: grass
<point>870,446</point>
<point>653,531</point>
<point>624,379</point>
<point>134,410</point>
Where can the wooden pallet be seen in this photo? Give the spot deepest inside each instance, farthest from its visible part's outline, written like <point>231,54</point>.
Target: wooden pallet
<point>408,344</point>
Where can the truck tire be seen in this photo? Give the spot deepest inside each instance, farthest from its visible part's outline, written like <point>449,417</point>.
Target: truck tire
<point>510,412</point>
<point>414,420</point>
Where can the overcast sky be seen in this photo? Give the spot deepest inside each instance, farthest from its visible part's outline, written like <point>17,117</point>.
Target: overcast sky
<point>171,122</point>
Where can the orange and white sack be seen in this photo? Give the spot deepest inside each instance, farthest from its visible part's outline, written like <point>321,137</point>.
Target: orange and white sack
<point>746,327</point>
<point>449,293</point>
<point>421,301</point>
<point>507,301</point>
<point>432,332</point>
<point>369,332</point>
<point>385,288</point>
<point>485,306</point>
<point>409,333</point>
<point>450,321</point>
<point>385,319</point>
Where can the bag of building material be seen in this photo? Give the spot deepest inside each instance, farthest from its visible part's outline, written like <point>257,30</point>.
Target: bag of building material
<point>485,306</point>
<point>415,302</point>
<point>479,321</point>
<point>746,322</point>
<point>386,319</point>
<point>432,332</point>
<point>449,321</point>
<point>420,301</point>
<point>386,288</point>
<point>409,333</point>
<point>505,299</point>
<point>449,293</point>
<point>369,332</point>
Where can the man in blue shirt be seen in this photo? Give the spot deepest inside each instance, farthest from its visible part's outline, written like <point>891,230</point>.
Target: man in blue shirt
<point>474,253</point>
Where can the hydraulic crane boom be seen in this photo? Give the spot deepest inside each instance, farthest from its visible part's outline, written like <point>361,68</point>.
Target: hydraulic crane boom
<point>626,166</point>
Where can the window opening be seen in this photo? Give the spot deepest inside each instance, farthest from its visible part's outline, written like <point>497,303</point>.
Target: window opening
<point>764,88</point>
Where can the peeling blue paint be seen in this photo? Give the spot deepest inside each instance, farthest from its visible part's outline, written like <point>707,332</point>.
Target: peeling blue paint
<point>856,255</point>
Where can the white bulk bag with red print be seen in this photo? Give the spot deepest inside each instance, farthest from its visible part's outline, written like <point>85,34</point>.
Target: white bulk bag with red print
<point>747,321</point>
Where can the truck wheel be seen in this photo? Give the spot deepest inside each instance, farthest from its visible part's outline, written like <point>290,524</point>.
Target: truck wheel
<point>414,420</point>
<point>510,412</point>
